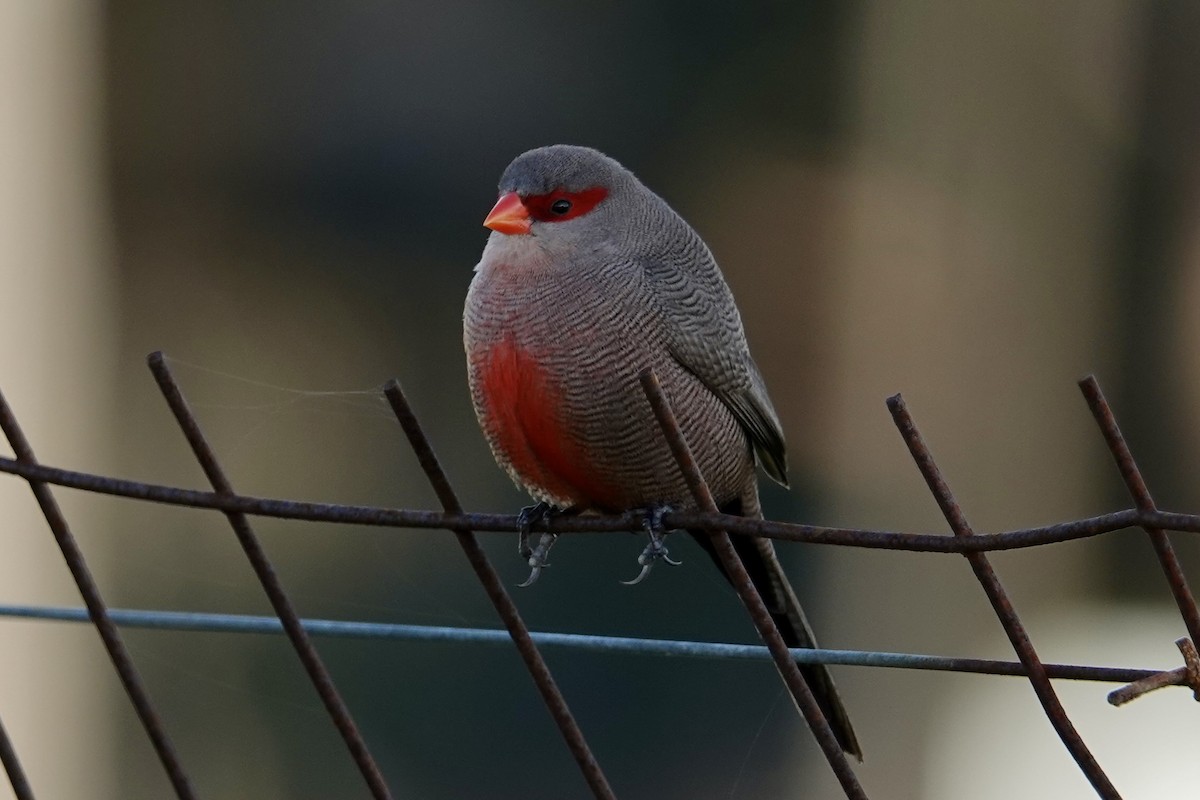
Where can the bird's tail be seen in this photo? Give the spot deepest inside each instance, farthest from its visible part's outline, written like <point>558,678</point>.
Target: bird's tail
<point>769,579</point>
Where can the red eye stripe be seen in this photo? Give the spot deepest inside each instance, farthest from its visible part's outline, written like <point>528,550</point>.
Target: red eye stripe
<point>541,206</point>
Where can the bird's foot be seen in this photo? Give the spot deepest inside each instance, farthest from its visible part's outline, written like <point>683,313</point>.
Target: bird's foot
<point>656,550</point>
<point>536,556</point>
<point>530,516</point>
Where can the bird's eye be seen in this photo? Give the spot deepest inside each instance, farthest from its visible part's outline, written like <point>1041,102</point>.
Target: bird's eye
<point>559,205</point>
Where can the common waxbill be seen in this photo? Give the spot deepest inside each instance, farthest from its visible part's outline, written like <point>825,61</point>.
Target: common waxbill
<point>587,279</point>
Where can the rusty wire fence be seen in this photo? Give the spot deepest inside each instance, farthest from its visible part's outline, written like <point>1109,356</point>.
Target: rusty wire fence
<point>239,508</point>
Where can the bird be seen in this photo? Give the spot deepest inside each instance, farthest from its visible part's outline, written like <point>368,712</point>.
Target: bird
<point>587,279</point>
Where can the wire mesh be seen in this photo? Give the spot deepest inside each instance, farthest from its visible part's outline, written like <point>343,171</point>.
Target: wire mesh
<point>964,541</point>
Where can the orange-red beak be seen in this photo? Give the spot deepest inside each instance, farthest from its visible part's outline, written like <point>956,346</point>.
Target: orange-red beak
<point>509,215</point>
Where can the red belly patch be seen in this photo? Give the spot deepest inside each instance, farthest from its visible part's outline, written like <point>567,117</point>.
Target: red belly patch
<point>525,413</point>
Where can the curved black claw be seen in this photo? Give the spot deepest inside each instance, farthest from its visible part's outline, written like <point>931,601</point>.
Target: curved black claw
<point>537,558</point>
<point>656,550</point>
<point>530,516</point>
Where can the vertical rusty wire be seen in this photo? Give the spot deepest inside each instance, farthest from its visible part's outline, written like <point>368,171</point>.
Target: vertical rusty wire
<point>113,643</point>
<point>793,679</point>
<point>488,577</point>
<point>12,767</point>
<point>321,679</point>
<point>1001,604</point>
<point>1140,493</point>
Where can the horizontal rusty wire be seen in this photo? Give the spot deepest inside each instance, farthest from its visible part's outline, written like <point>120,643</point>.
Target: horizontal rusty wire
<point>380,516</point>
<point>1187,675</point>
<point>592,643</point>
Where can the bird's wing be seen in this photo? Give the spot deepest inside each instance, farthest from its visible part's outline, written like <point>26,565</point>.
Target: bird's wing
<point>704,334</point>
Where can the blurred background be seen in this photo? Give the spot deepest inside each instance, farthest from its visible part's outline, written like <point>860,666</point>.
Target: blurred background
<point>974,204</point>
